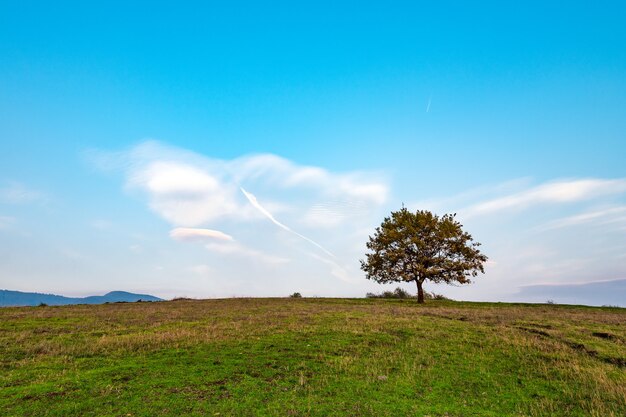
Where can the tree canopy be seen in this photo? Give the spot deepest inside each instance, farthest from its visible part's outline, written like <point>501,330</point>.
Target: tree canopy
<point>422,246</point>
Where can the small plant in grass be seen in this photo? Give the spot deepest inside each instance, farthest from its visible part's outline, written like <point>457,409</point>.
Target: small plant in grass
<point>435,296</point>
<point>295,295</point>
<point>401,293</point>
<point>398,293</point>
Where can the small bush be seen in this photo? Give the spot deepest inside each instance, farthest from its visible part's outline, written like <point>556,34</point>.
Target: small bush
<point>295,295</point>
<point>43,305</point>
<point>400,293</point>
<point>437,296</point>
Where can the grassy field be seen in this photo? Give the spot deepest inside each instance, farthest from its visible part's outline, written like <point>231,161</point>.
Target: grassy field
<point>313,357</point>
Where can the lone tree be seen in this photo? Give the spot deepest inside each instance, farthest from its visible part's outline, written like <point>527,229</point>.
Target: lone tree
<point>422,246</point>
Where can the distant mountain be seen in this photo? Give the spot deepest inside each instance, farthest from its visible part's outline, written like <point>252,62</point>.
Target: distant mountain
<point>18,298</point>
<point>591,293</point>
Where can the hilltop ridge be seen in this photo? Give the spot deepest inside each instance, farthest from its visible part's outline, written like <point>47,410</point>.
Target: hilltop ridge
<point>10,298</point>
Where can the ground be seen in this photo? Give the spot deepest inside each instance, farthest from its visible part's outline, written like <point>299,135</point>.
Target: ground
<point>312,357</point>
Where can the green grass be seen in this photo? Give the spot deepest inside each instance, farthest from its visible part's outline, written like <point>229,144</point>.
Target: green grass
<point>313,357</point>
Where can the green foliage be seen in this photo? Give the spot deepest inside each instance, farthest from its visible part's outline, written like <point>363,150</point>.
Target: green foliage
<point>420,246</point>
<point>399,293</point>
<point>295,295</point>
<point>402,294</point>
<point>438,296</point>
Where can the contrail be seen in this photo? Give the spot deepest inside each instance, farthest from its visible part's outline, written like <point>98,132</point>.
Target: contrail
<point>428,106</point>
<point>252,199</point>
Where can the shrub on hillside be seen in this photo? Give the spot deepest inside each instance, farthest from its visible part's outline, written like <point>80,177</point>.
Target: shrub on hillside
<point>400,293</point>
<point>438,296</point>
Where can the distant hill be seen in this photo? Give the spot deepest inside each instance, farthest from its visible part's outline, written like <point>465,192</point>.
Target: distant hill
<point>591,293</point>
<point>18,298</point>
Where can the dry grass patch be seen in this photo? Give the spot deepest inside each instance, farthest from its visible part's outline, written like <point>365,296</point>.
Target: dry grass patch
<point>312,357</point>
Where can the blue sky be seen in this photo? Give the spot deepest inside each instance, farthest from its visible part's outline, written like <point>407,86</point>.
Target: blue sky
<point>123,127</point>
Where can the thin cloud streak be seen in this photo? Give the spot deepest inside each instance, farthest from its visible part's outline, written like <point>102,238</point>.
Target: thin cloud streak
<point>550,193</point>
<point>18,193</point>
<point>187,233</point>
<point>255,203</point>
<point>607,216</point>
<point>336,270</point>
<point>220,242</point>
<point>235,248</point>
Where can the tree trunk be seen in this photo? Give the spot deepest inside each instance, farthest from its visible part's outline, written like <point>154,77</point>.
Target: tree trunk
<point>420,292</point>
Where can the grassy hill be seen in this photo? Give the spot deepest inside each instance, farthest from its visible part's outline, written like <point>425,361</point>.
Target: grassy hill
<point>312,357</point>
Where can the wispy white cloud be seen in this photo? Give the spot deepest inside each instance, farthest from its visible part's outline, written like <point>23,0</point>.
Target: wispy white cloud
<point>18,193</point>
<point>610,215</point>
<point>101,224</point>
<point>135,248</point>
<point>6,221</point>
<point>188,189</point>
<point>565,191</point>
<point>221,243</point>
<point>329,214</point>
<point>455,202</point>
<point>185,194</point>
<point>281,172</point>
<point>336,270</point>
<point>201,270</point>
<point>237,249</point>
<point>195,234</point>
<point>197,194</point>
